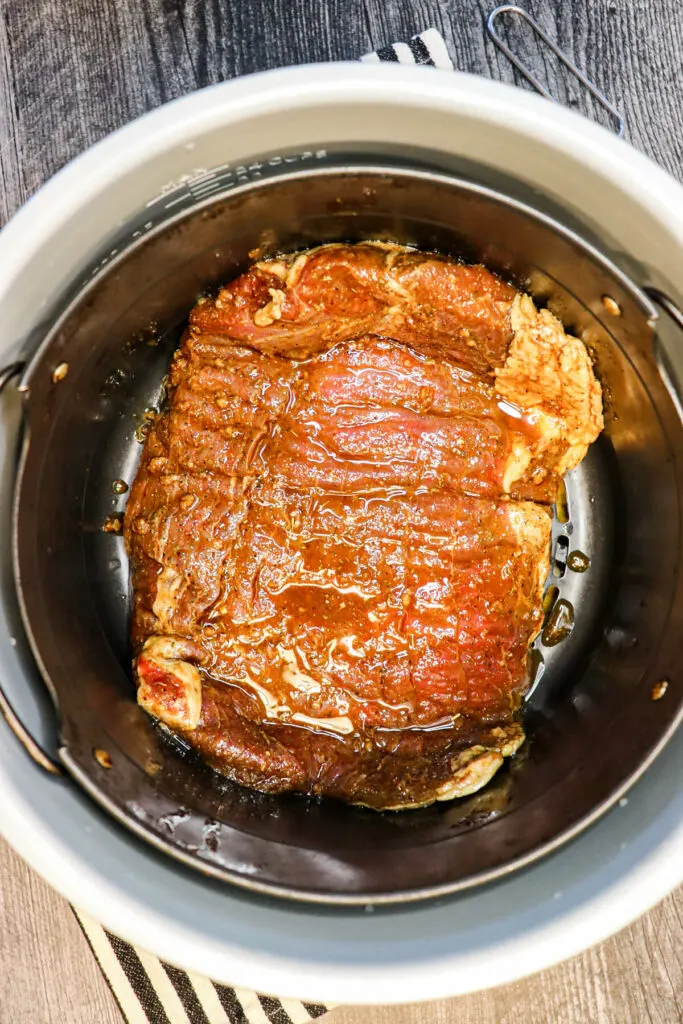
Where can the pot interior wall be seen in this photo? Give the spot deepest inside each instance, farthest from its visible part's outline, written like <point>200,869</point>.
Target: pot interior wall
<point>590,719</point>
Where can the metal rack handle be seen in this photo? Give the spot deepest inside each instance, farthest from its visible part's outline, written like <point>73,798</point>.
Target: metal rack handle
<point>29,743</point>
<point>569,64</point>
<point>671,381</point>
<point>667,304</point>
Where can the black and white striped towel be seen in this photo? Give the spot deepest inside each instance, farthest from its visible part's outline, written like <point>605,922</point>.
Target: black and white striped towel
<point>148,990</point>
<point>427,48</point>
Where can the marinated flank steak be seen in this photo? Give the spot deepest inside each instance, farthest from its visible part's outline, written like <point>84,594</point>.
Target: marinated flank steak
<point>340,526</point>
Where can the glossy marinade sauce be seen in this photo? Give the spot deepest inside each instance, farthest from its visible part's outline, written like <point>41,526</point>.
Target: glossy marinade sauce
<point>346,524</point>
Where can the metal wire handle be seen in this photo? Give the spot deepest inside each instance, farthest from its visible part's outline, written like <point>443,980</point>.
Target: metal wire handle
<point>30,745</point>
<point>669,377</point>
<point>529,75</point>
<point>667,303</point>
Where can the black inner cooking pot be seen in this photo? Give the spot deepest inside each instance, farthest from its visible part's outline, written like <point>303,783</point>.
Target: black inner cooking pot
<point>591,719</point>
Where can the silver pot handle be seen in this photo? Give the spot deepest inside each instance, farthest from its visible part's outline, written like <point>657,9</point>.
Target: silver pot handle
<point>8,373</point>
<point>29,743</point>
<point>667,304</point>
<point>669,376</point>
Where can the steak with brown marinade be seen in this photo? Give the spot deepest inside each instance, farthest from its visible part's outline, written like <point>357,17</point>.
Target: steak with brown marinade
<point>339,529</point>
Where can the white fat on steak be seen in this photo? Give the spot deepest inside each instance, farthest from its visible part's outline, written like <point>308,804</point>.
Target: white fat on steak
<point>548,379</point>
<point>170,687</point>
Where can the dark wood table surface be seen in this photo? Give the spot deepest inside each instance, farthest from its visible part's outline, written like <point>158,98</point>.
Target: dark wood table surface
<point>73,70</point>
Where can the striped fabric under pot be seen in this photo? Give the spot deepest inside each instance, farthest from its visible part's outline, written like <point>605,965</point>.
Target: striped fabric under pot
<point>150,991</point>
<point>426,48</point>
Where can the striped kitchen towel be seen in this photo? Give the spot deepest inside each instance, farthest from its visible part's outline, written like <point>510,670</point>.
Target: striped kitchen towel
<point>148,990</point>
<point>426,48</point>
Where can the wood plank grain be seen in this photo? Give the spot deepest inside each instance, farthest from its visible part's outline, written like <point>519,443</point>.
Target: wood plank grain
<point>47,973</point>
<point>80,70</point>
<point>12,192</point>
